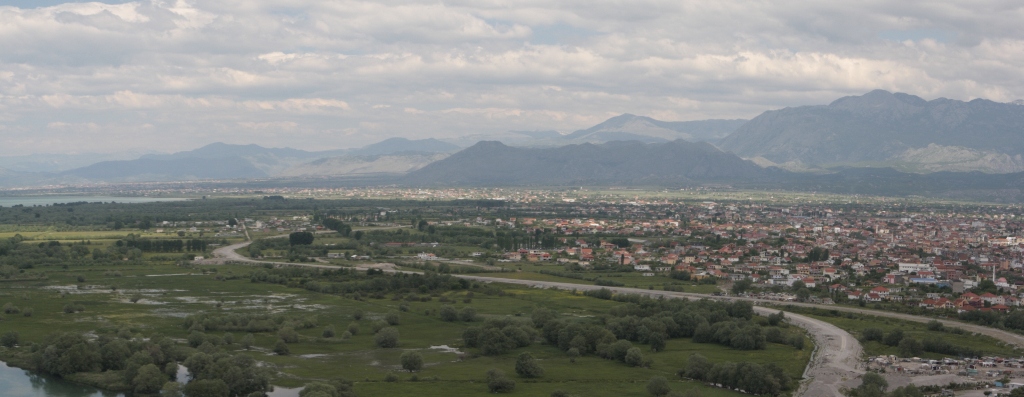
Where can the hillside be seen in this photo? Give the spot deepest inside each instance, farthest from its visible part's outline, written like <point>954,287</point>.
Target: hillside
<point>886,129</point>
<point>634,163</point>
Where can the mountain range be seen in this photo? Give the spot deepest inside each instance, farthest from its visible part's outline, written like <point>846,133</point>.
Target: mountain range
<point>492,163</point>
<point>883,129</point>
<point>877,143</point>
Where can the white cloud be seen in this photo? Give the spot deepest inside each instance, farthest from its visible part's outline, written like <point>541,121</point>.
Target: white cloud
<point>175,74</point>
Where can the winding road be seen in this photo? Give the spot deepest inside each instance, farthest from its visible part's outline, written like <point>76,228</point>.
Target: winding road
<point>837,358</point>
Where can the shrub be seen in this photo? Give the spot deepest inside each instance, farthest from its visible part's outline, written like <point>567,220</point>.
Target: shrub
<point>9,339</point>
<point>386,338</point>
<point>527,367</point>
<point>448,313</point>
<point>328,332</point>
<point>497,382</point>
<point>467,314</point>
<point>658,386</point>
<point>281,348</point>
<point>392,318</point>
<point>412,361</point>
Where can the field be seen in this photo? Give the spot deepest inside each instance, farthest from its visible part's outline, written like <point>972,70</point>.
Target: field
<point>167,293</point>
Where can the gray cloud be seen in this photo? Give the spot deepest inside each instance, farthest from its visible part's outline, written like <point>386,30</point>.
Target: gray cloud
<point>175,74</point>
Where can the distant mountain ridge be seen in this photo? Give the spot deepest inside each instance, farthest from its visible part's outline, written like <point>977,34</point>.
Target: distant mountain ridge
<point>888,129</point>
<point>624,127</point>
<point>224,161</point>
<point>492,163</point>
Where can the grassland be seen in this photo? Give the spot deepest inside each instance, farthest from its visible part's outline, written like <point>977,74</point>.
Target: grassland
<point>168,293</point>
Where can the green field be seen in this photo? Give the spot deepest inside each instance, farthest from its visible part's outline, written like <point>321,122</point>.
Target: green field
<point>168,293</point>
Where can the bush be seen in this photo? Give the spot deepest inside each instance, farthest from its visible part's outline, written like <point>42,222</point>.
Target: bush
<point>288,335</point>
<point>9,339</point>
<point>386,338</point>
<point>634,357</point>
<point>353,329</point>
<point>328,332</point>
<point>872,334</point>
<point>392,318</point>
<point>527,367</point>
<point>281,348</point>
<point>412,361</point>
<point>357,315</point>
<point>935,325</point>
<point>894,337</point>
<point>658,386</point>
<point>467,314</point>
<point>497,382</point>
<point>448,313</point>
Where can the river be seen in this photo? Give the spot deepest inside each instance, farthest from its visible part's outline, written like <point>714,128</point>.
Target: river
<point>16,382</point>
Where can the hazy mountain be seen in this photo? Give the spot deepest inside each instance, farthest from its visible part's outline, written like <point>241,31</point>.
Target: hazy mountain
<point>625,127</point>
<point>174,169</point>
<point>361,165</point>
<point>52,162</point>
<point>678,162</point>
<point>401,145</point>
<point>885,129</point>
<point>632,127</point>
<point>227,161</point>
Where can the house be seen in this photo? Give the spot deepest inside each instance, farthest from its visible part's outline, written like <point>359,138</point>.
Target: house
<point>426,256</point>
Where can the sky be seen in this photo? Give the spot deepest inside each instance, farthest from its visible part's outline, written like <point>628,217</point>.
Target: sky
<point>81,77</point>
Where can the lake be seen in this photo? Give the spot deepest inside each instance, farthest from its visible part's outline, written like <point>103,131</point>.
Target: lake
<point>28,201</point>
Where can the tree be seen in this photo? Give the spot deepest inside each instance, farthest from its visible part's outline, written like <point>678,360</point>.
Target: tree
<point>573,353</point>
<point>288,335</point>
<point>9,339</point>
<point>319,389</point>
<point>392,318</point>
<point>281,348</point>
<point>412,361</point>
<point>328,332</point>
<point>207,388</point>
<point>149,380</point>
<point>527,367</point>
<point>497,382</point>
<point>300,238</point>
<point>657,341</point>
<point>386,338</point>
<point>658,386</point>
<point>634,357</point>
<point>741,286</point>
<point>894,337</point>
<point>697,367</point>
<point>871,385</point>
<point>467,314</point>
<point>448,313</point>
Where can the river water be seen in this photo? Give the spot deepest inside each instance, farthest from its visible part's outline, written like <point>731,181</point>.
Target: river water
<point>16,382</point>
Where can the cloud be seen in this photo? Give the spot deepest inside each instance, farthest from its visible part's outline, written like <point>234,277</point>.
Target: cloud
<point>176,74</point>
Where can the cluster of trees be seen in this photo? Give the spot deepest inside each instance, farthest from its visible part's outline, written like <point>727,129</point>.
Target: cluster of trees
<point>335,224</point>
<point>752,378</point>
<point>223,374</point>
<point>164,245</point>
<point>499,336</point>
<point>146,365</point>
<point>910,347</point>
<point>351,281</point>
<point>247,322</point>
